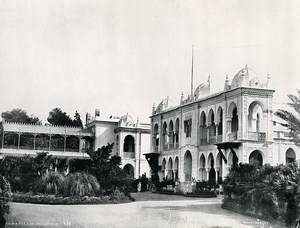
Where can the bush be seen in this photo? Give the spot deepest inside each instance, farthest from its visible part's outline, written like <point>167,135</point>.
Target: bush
<point>4,199</point>
<point>81,184</point>
<point>50,183</point>
<point>265,191</point>
<point>54,200</point>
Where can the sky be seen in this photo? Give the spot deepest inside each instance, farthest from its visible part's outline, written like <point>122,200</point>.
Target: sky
<point>123,56</point>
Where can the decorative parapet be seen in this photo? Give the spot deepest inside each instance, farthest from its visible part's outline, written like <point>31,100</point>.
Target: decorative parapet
<point>45,129</point>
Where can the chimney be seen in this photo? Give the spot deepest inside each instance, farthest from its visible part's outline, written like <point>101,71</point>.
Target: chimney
<point>97,113</point>
<point>87,118</point>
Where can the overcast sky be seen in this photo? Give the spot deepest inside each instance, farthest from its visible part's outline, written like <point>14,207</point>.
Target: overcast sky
<point>123,56</point>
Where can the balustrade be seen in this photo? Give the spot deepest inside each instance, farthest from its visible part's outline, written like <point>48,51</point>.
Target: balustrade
<point>129,155</point>
<point>232,136</point>
<point>257,136</point>
<point>219,138</point>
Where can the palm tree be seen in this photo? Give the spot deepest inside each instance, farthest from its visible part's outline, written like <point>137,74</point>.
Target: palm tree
<point>292,121</point>
<point>81,184</point>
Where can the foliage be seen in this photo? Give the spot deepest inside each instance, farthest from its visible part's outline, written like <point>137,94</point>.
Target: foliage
<point>59,200</point>
<point>81,184</point>
<point>266,191</point>
<point>60,118</point>
<point>205,186</point>
<point>23,172</point>
<point>79,165</point>
<point>50,183</point>
<point>77,120</point>
<point>19,116</point>
<point>106,168</point>
<point>292,121</point>
<point>4,196</point>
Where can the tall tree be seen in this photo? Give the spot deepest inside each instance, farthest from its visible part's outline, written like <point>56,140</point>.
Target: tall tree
<point>19,116</point>
<point>77,120</point>
<point>58,117</point>
<point>292,120</point>
<point>106,167</point>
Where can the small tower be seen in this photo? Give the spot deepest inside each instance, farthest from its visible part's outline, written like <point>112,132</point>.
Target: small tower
<point>181,98</point>
<point>153,109</point>
<point>226,86</point>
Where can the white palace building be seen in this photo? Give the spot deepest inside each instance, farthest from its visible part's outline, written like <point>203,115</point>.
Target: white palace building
<point>206,133</point>
<point>131,140</point>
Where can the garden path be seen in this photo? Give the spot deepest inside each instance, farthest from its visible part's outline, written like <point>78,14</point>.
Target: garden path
<point>149,210</point>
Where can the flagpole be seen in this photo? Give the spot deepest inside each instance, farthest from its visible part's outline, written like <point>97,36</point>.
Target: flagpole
<point>192,73</point>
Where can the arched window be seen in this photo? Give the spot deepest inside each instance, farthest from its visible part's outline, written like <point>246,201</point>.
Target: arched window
<point>177,133</point>
<point>176,167</point>
<point>165,136</point>
<point>234,121</point>
<point>129,144</point>
<point>171,135</point>
<point>220,121</point>
<point>256,157</point>
<point>203,128</point>
<point>290,156</point>
<point>155,138</point>
<point>129,170</point>
<point>255,123</point>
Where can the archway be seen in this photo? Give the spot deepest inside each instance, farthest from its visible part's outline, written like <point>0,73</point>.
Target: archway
<point>129,170</point>
<point>219,168</point>
<point>203,129</point>
<point>171,135</point>
<point>290,156</point>
<point>187,166</point>
<point>256,157</point>
<point>177,133</point>
<point>202,168</point>
<point>163,168</point>
<point>211,166</point>
<point>255,114</point>
<point>170,169</point>
<point>220,121</point>
<point>165,136</point>
<point>176,167</point>
<point>129,144</point>
<point>155,138</point>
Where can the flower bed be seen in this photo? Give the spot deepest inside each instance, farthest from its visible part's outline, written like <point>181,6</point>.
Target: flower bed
<point>202,194</point>
<point>114,198</point>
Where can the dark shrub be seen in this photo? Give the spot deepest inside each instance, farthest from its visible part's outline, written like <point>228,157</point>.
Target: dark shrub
<point>81,184</point>
<point>50,183</point>
<point>268,191</point>
<point>4,199</point>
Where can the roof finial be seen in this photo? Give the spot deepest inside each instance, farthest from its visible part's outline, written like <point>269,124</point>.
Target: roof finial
<point>208,80</point>
<point>246,67</point>
<point>227,78</point>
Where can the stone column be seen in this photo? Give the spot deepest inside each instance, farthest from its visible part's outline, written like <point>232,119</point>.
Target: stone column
<point>217,127</point>
<point>207,139</point>
<point>19,136</point>
<point>207,173</point>
<point>216,174</point>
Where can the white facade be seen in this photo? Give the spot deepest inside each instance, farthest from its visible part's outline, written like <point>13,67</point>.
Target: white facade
<point>239,120</point>
<point>131,140</point>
